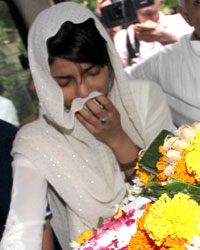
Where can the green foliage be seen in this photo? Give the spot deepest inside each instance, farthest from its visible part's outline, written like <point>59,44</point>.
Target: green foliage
<point>169,6</point>
<point>91,4</point>
<point>173,187</point>
<point>100,222</point>
<point>13,78</point>
<point>152,155</point>
<point>14,88</point>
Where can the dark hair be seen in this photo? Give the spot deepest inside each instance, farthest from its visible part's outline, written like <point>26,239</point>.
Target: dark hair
<point>80,43</point>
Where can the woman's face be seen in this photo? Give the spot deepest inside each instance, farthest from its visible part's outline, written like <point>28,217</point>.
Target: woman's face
<point>79,79</point>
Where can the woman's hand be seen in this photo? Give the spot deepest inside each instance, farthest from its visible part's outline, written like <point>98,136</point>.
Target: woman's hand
<point>110,132</point>
<point>103,122</point>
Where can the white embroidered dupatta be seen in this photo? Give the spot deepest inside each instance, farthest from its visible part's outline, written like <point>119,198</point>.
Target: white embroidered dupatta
<point>84,176</point>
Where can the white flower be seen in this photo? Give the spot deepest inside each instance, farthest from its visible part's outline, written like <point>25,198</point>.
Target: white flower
<point>195,243</point>
<point>74,244</point>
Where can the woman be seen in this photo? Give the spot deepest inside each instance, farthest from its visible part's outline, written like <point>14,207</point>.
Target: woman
<point>93,125</point>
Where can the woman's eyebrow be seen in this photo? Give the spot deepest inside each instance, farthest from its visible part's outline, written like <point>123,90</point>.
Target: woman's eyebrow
<point>63,77</point>
<point>89,68</point>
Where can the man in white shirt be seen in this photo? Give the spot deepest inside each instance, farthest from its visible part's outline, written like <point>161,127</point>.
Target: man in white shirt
<point>8,111</point>
<point>177,69</point>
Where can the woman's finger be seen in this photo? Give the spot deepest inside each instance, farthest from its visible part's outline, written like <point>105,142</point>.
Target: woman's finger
<point>96,108</point>
<point>106,103</point>
<point>88,116</point>
<point>86,124</point>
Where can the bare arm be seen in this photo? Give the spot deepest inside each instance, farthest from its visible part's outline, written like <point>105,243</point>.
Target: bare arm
<point>47,243</point>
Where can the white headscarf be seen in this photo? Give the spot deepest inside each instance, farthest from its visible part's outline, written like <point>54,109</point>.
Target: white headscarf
<point>83,171</point>
<point>50,94</point>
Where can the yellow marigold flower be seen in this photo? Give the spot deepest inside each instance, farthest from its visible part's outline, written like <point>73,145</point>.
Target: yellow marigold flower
<point>84,236</point>
<point>192,156</point>
<point>137,164</point>
<point>196,140</point>
<point>176,218</point>
<point>143,175</point>
<point>193,163</point>
<point>119,214</point>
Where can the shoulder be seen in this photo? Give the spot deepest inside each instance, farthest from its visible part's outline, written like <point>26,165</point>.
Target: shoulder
<point>170,50</point>
<point>31,130</point>
<point>142,90</point>
<point>29,137</point>
<point>5,101</point>
<point>30,134</point>
<point>175,51</point>
<point>143,85</point>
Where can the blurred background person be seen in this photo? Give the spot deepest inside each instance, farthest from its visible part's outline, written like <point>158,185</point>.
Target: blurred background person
<point>154,30</point>
<point>176,69</point>
<point>7,135</point>
<point>100,4</point>
<point>8,111</point>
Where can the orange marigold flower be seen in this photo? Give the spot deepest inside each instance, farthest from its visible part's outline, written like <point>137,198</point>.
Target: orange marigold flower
<point>162,176</point>
<point>141,241</point>
<point>181,173</point>
<point>140,221</point>
<point>160,149</point>
<point>160,165</point>
<point>175,243</point>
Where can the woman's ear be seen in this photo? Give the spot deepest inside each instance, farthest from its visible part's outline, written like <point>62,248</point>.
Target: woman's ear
<point>184,14</point>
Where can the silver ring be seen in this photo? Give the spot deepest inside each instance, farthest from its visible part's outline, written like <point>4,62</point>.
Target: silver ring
<point>104,120</point>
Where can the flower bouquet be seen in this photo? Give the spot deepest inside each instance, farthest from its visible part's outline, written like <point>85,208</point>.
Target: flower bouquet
<point>171,156</point>
<point>168,222</point>
<point>166,213</point>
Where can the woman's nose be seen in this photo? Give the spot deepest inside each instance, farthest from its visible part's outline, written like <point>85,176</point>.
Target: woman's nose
<point>83,90</point>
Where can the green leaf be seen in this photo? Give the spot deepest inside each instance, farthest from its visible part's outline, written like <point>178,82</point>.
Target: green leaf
<point>100,222</point>
<point>154,191</point>
<point>152,155</point>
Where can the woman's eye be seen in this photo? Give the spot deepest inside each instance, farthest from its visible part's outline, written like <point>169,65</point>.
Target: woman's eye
<point>94,71</point>
<point>63,83</point>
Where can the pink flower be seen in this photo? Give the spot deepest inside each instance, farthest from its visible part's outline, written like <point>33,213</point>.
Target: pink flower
<point>88,248</point>
<point>103,248</point>
<point>124,248</point>
<point>130,222</point>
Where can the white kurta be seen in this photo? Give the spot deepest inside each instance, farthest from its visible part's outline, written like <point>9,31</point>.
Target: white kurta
<point>176,70</point>
<point>8,111</point>
<point>26,219</point>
